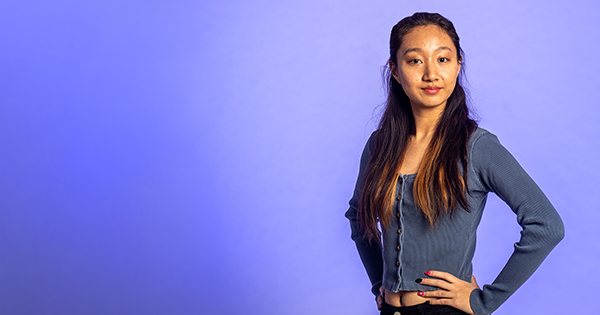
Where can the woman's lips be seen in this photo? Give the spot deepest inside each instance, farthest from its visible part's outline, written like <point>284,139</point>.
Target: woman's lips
<point>432,90</point>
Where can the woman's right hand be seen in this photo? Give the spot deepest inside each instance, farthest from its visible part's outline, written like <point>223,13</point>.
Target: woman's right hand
<point>380,298</point>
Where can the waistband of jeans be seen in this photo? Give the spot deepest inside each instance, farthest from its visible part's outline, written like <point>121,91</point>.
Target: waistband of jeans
<point>404,310</point>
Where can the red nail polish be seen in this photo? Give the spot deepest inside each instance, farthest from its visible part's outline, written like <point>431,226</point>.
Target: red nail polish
<point>420,293</point>
<point>428,273</point>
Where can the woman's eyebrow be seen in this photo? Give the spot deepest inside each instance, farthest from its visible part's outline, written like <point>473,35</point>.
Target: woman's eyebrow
<point>420,50</point>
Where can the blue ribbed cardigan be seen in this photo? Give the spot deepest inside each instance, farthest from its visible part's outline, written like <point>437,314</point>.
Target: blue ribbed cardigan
<point>411,247</point>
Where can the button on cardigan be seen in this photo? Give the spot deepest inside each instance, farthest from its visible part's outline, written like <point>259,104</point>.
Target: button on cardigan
<point>411,247</point>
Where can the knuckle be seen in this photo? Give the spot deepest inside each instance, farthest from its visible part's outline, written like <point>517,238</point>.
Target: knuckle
<point>439,302</point>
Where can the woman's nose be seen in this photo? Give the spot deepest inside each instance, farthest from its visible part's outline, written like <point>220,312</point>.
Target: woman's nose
<point>431,73</point>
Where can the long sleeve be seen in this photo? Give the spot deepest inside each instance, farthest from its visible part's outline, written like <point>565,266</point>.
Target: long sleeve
<point>370,252</point>
<point>542,228</point>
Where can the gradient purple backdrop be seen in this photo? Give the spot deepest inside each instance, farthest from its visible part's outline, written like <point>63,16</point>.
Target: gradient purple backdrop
<point>195,157</point>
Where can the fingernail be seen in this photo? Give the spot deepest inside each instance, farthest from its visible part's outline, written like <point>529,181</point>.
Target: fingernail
<point>428,273</point>
<point>418,280</point>
<point>420,293</point>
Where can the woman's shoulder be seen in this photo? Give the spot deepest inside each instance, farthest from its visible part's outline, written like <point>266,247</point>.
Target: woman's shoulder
<point>371,141</point>
<point>485,150</point>
<point>487,156</point>
<point>482,139</point>
<point>478,133</point>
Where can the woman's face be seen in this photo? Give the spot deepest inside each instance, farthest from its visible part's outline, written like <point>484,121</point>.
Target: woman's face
<point>427,67</point>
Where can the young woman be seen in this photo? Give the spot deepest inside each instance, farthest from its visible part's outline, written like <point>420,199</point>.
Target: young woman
<point>424,178</point>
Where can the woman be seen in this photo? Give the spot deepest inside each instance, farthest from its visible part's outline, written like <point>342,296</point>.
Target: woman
<point>424,178</point>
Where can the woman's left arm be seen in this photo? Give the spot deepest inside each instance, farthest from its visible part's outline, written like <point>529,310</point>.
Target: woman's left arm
<point>542,228</point>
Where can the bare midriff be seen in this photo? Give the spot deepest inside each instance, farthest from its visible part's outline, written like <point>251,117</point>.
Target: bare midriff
<point>404,298</point>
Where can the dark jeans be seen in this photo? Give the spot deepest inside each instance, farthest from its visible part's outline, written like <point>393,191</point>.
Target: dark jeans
<point>420,309</point>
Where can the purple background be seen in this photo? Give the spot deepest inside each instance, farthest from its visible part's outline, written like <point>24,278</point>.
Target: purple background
<point>197,157</point>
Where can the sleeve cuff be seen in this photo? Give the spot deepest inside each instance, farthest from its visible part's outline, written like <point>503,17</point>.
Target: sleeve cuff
<point>375,288</point>
<point>477,303</point>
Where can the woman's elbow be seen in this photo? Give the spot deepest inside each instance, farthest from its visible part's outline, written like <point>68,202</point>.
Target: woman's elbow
<point>556,231</point>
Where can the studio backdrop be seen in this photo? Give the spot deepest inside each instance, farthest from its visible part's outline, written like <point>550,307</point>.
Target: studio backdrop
<point>197,157</point>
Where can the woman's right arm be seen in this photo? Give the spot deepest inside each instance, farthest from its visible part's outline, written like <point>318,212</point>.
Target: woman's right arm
<point>370,252</point>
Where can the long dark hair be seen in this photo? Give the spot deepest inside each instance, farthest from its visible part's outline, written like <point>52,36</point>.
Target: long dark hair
<point>439,186</point>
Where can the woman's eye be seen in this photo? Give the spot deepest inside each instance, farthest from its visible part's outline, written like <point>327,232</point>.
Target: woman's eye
<point>444,59</point>
<point>415,61</point>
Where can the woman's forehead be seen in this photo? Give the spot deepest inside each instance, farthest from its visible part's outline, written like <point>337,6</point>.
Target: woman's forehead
<point>428,38</point>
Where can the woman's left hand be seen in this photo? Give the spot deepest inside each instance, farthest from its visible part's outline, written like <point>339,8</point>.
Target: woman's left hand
<point>454,292</point>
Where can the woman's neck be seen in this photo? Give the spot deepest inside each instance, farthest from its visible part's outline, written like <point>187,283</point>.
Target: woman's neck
<point>426,120</point>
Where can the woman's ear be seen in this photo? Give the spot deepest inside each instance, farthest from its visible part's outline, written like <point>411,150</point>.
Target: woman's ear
<point>394,70</point>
